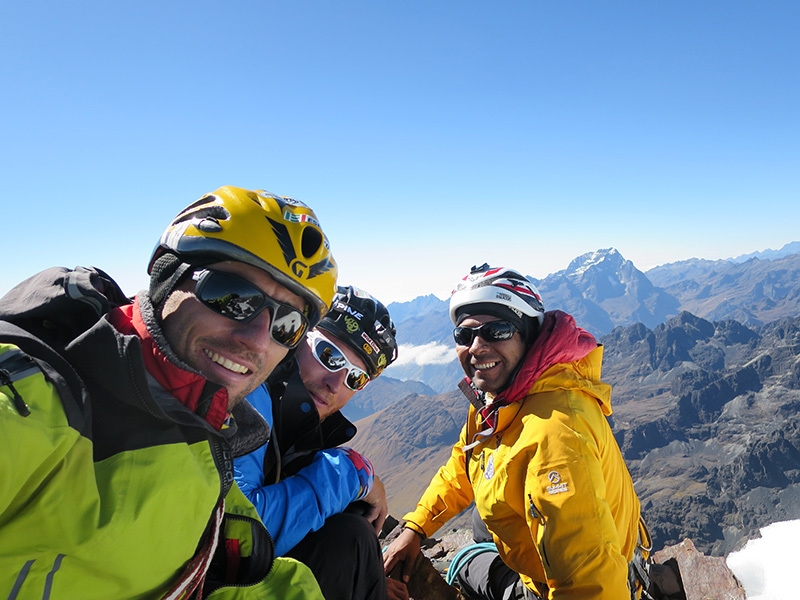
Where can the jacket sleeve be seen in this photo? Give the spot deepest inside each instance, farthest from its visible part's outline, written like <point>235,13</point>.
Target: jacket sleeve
<point>36,438</point>
<point>46,483</point>
<point>568,514</point>
<point>448,493</point>
<point>299,504</point>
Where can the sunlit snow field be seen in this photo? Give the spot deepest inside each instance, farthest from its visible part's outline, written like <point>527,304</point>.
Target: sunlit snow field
<point>767,567</point>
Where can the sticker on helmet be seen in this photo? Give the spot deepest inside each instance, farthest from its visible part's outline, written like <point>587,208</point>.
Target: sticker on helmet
<point>299,218</point>
<point>285,241</point>
<point>350,324</point>
<point>283,201</point>
<point>300,269</point>
<point>319,268</point>
<point>342,307</point>
<point>370,342</point>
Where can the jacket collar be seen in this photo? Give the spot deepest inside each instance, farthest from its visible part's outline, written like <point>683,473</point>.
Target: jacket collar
<point>559,340</point>
<point>298,432</point>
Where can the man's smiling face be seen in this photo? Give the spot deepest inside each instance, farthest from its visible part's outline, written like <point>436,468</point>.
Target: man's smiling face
<point>327,388</point>
<point>236,355</point>
<point>489,364</point>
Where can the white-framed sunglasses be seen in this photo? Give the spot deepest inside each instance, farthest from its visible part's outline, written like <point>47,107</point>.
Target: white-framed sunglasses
<point>330,356</point>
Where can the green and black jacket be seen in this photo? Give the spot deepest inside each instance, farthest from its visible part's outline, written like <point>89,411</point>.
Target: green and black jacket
<point>112,486</point>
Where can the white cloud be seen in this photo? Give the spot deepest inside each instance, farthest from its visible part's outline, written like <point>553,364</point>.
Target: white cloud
<point>432,353</point>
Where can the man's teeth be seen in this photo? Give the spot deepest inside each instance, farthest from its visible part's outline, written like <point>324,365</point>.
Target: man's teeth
<point>484,366</point>
<point>227,363</point>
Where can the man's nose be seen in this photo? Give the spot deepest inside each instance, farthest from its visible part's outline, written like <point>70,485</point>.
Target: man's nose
<point>477,343</point>
<point>335,380</point>
<point>255,334</point>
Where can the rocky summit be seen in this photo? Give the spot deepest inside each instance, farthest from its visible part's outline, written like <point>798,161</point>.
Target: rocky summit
<point>678,572</point>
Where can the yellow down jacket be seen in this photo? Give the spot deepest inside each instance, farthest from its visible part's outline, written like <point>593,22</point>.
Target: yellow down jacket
<point>549,482</point>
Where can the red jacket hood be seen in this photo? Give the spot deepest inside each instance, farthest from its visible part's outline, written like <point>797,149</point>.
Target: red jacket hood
<point>560,340</point>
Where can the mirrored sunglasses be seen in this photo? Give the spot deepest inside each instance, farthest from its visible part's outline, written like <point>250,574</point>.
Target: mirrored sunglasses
<point>332,358</point>
<point>493,331</point>
<point>238,299</point>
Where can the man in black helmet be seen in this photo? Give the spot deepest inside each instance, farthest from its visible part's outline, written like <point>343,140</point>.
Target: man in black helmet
<point>320,501</point>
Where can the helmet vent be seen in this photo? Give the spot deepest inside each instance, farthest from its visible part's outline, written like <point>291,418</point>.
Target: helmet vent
<point>209,225</point>
<point>311,242</point>
<point>201,211</point>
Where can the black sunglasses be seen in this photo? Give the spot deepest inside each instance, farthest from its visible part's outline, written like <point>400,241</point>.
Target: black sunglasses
<point>330,356</point>
<point>238,299</point>
<point>493,331</point>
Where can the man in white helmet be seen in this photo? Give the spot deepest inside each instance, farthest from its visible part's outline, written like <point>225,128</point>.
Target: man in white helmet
<point>537,456</point>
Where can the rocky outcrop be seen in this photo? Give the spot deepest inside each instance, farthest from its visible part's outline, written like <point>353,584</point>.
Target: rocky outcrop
<point>678,572</point>
<point>701,577</point>
<point>427,580</point>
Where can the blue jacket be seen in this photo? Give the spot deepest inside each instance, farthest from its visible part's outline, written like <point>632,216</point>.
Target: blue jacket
<point>312,480</point>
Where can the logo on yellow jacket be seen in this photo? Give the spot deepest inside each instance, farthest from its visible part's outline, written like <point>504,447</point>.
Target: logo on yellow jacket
<point>557,486</point>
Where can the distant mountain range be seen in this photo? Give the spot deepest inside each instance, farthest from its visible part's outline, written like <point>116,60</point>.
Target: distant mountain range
<point>603,290</point>
<point>790,248</point>
<point>704,359</point>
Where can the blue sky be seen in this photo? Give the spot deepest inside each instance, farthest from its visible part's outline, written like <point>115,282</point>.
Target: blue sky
<point>427,136</point>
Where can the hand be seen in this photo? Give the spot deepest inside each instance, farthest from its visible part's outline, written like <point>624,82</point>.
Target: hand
<point>396,589</point>
<point>403,551</point>
<point>378,505</point>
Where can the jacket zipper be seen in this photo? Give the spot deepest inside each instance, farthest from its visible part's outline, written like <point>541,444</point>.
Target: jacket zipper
<point>536,514</point>
<point>17,365</point>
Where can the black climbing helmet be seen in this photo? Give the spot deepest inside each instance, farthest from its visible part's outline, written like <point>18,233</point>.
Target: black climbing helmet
<point>364,324</point>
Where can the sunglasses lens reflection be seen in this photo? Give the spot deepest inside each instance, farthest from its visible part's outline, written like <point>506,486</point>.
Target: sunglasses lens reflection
<point>333,359</point>
<point>493,331</point>
<point>238,299</point>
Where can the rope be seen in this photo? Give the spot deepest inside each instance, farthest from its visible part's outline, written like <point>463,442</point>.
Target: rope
<point>464,556</point>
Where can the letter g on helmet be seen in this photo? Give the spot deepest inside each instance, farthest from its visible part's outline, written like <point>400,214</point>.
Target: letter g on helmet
<point>280,235</point>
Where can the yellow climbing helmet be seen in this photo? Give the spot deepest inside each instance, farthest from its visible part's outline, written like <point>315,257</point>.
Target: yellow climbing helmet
<point>277,234</point>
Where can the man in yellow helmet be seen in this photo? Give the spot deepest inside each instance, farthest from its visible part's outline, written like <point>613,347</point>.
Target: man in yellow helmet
<point>121,418</point>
